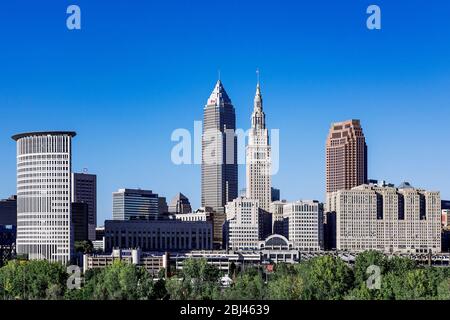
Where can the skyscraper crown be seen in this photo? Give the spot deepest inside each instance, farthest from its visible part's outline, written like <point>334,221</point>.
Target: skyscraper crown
<point>218,96</point>
<point>258,116</point>
<point>258,98</point>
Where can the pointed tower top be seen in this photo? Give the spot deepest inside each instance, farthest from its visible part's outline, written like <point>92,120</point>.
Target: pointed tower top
<point>218,96</point>
<point>258,116</point>
<point>258,90</point>
<point>258,96</point>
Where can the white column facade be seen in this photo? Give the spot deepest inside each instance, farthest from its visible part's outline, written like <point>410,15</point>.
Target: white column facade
<point>44,163</point>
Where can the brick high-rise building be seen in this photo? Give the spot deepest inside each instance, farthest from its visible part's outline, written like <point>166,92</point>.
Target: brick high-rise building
<point>346,156</point>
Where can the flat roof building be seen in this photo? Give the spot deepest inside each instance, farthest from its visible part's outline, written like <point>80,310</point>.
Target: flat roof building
<point>135,204</point>
<point>84,189</point>
<point>44,215</point>
<point>303,224</point>
<point>392,220</point>
<point>346,156</point>
<point>152,262</point>
<point>158,235</point>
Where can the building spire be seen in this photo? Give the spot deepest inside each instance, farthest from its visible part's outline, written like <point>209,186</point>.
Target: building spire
<point>257,76</point>
<point>258,96</point>
<point>258,116</point>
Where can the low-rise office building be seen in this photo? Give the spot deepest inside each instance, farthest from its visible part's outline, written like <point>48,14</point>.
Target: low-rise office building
<point>274,249</point>
<point>222,260</point>
<point>303,224</point>
<point>244,226</point>
<point>152,262</point>
<point>158,235</point>
<point>388,219</point>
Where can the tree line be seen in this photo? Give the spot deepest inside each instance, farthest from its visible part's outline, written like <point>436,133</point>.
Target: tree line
<point>321,278</point>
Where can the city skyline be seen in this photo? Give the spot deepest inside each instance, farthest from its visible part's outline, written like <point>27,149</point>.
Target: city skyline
<point>353,73</point>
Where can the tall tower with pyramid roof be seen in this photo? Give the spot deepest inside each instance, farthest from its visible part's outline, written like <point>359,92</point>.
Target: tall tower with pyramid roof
<point>219,151</point>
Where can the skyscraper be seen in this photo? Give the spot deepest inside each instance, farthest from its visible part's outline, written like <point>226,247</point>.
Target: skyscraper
<point>84,189</point>
<point>346,156</point>
<point>44,225</point>
<point>131,204</point>
<point>219,151</point>
<point>258,156</point>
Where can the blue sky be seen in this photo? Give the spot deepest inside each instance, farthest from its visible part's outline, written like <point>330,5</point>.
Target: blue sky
<point>137,70</point>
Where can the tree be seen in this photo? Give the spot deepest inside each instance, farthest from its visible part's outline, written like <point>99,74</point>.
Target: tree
<point>400,265</point>
<point>364,261</point>
<point>200,269</point>
<point>326,278</point>
<point>119,281</point>
<point>415,286</point>
<point>12,277</point>
<point>162,273</point>
<point>159,289</point>
<point>249,285</point>
<point>443,290</point>
<point>285,287</point>
<point>285,283</point>
<point>361,293</point>
<point>197,281</point>
<point>438,279</point>
<point>84,246</point>
<point>36,279</point>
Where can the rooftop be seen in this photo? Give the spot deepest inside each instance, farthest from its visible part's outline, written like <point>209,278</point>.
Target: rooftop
<point>43,133</point>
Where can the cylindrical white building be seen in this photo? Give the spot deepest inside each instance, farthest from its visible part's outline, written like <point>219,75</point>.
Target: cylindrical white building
<point>44,165</point>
